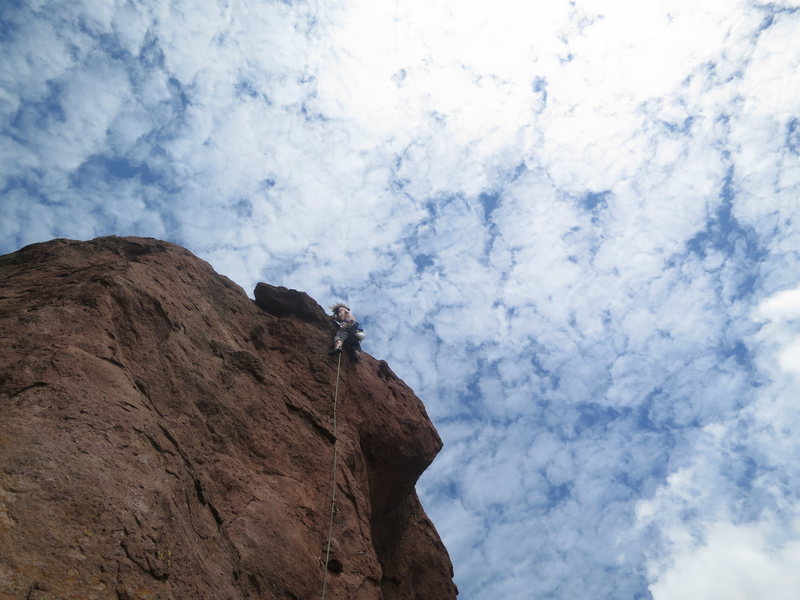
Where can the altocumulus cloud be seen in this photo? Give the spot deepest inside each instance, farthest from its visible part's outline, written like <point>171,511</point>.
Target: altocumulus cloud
<point>572,227</point>
<point>742,538</point>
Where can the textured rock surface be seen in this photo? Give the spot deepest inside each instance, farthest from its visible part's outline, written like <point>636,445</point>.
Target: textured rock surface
<point>162,436</point>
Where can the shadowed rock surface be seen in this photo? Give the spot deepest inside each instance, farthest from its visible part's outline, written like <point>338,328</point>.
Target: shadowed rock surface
<point>163,436</point>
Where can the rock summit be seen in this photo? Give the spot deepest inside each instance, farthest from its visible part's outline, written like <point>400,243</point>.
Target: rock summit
<point>163,436</point>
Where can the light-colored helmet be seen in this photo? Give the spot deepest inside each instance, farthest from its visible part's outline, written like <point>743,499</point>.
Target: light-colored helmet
<point>335,308</point>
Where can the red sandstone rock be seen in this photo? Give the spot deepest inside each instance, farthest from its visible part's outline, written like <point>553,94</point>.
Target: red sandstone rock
<point>164,437</point>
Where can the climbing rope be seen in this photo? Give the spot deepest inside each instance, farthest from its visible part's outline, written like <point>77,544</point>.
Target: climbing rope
<point>333,479</point>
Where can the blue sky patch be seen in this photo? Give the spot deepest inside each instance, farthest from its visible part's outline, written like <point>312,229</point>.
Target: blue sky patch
<point>423,261</point>
<point>490,202</point>
<point>595,200</point>
<point>793,135</point>
<point>724,233</point>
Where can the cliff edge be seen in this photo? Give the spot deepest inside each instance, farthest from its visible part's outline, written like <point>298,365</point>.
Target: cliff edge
<point>164,436</point>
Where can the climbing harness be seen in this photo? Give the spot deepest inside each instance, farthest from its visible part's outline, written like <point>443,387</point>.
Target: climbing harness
<point>333,479</point>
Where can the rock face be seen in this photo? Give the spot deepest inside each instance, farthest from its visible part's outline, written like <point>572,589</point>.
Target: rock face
<point>163,436</point>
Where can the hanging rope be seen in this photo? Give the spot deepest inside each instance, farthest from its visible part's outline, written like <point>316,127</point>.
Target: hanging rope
<point>333,479</point>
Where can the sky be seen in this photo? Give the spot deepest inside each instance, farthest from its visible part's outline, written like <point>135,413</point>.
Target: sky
<point>573,227</point>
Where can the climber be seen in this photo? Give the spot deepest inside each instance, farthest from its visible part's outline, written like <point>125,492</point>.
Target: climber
<point>349,335</point>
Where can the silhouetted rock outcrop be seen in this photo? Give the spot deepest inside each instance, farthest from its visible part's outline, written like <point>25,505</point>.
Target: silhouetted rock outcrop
<point>163,436</point>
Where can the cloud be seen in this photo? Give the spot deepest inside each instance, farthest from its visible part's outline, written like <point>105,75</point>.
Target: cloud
<point>735,562</point>
<point>728,510</point>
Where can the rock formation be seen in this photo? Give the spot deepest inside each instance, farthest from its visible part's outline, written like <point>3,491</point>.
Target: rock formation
<point>163,436</point>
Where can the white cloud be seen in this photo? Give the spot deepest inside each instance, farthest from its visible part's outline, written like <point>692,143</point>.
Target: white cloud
<point>706,512</point>
<point>782,306</point>
<point>736,562</point>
